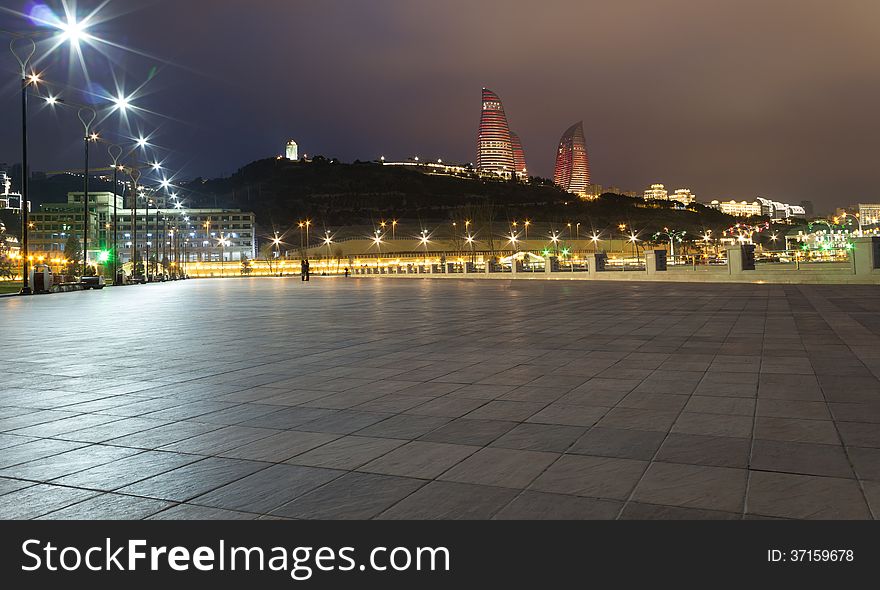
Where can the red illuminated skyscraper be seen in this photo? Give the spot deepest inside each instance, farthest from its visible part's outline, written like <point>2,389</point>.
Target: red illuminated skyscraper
<point>519,157</point>
<point>494,144</point>
<point>572,162</point>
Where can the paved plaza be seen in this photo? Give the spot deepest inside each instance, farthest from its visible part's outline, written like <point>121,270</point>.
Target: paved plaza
<point>392,399</point>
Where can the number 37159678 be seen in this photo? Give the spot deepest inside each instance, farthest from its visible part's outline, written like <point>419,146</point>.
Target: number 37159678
<point>810,555</point>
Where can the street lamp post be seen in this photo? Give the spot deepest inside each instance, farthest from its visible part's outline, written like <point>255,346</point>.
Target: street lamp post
<point>135,176</point>
<point>87,116</point>
<point>115,152</point>
<point>24,58</point>
<point>424,240</point>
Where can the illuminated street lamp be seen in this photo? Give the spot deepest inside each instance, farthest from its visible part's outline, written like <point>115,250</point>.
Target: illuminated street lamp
<point>328,241</point>
<point>554,237</point>
<point>87,116</point>
<point>634,239</point>
<point>470,241</point>
<point>23,57</point>
<point>115,152</point>
<point>513,240</point>
<point>425,239</point>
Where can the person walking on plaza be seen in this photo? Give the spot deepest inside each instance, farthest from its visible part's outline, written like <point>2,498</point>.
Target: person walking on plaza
<point>308,270</point>
<point>303,269</point>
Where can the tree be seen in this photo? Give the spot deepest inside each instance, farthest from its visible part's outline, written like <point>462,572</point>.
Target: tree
<point>267,251</point>
<point>138,269</point>
<point>73,253</point>
<point>246,268</point>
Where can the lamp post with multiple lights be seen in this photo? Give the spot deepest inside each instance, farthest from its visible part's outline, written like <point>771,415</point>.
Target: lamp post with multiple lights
<point>23,57</point>
<point>87,116</point>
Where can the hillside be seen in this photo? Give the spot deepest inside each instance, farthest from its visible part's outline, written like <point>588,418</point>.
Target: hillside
<point>281,193</point>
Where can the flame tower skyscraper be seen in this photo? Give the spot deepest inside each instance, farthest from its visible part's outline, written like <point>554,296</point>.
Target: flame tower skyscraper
<point>572,161</point>
<point>499,151</point>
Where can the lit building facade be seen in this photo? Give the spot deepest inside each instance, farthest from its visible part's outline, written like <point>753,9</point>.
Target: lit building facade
<point>869,214</point>
<point>657,192</point>
<point>572,172</point>
<point>737,208</point>
<point>519,157</point>
<point>494,142</point>
<point>777,211</point>
<point>292,151</point>
<point>684,196</point>
<point>8,199</point>
<point>206,234</point>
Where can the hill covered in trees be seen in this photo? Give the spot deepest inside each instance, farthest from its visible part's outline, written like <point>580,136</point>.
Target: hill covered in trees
<point>281,193</point>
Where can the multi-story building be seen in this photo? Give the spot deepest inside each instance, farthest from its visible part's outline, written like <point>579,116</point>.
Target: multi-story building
<point>204,235</point>
<point>519,157</point>
<point>495,148</point>
<point>53,224</point>
<point>737,208</point>
<point>207,234</point>
<point>572,171</point>
<point>869,214</point>
<point>777,211</point>
<point>292,151</point>
<point>684,196</point>
<point>8,199</point>
<point>657,192</point>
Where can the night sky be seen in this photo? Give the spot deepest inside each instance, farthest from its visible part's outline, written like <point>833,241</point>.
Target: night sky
<point>733,99</point>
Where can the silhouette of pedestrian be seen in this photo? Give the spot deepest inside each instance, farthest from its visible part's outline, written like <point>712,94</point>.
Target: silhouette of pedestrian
<point>308,270</point>
<point>346,272</point>
<point>303,269</point>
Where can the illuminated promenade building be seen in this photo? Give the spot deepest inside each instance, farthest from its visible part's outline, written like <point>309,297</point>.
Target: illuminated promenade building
<point>572,162</point>
<point>495,144</point>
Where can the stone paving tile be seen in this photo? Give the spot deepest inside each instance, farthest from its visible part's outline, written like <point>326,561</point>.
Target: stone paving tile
<point>465,431</point>
<point>866,462</point>
<point>728,425</point>
<point>281,446</point>
<point>13,485</point>
<point>195,479</point>
<point>639,511</point>
<point>349,452</point>
<point>190,512</point>
<point>55,466</point>
<point>507,468</point>
<point>116,474</point>
<point>796,430</point>
<point>506,410</point>
<point>805,497</point>
<point>544,506</point>
<point>714,451</point>
<point>693,486</point>
<point>419,459</point>
<point>621,443</point>
<point>450,501</point>
<point>595,477</point>
<point>34,450</point>
<point>109,507</point>
<point>405,426</point>
<point>540,437</point>
<point>568,415</point>
<point>659,409</point>
<point>267,489</point>
<point>803,458</point>
<point>35,501</point>
<point>354,496</point>
<point>657,420</point>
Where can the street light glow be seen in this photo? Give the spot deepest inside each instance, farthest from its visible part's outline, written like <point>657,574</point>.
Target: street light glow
<point>122,103</point>
<point>73,31</point>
